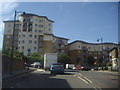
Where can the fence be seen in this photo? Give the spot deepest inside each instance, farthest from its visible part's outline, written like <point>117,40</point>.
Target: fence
<point>16,64</point>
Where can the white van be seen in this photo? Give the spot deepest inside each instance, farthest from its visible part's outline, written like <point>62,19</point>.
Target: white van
<point>70,66</point>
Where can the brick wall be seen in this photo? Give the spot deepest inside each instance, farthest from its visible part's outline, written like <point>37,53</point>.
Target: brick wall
<point>16,64</point>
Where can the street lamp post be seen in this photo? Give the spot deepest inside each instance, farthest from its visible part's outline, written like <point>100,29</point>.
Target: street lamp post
<point>12,50</point>
<point>102,49</point>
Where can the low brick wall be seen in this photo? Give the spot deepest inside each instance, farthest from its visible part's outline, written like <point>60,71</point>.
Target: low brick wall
<point>16,64</point>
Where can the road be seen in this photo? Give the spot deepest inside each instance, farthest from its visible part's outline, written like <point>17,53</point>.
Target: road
<point>71,79</point>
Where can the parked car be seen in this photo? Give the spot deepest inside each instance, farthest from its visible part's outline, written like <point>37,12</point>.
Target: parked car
<point>78,67</point>
<point>36,65</point>
<point>56,68</point>
<point>95,68</point>
<point>87,68</point>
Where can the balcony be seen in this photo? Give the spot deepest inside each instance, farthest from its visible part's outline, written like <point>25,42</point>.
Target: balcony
<point>58,47</point>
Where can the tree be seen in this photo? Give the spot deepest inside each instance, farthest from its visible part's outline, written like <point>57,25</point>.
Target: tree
<point>64,59</point>
<point>18,55</point>
<point>90,60</point>
<point>7,52</point>
<point>36,57</point>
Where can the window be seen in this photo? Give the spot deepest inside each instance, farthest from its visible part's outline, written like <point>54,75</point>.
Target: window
<point>41,49</point>
<point>40,20</point>
<point>30,35</point>
<point>84,56</point>
<point>35,30</point>
<point>22,47</point>
<point>8,31</point>
<point>25,25</point>
<point>24,30</point>
<point>30,41</point>
<point>59,50</point>
<point>40,31</point>
<point>59,45</point>
<point>40,25</point>
<point>35,48</point>
<point>40,44</point>
<point>35,36</point>
<point>23,35</point>
<point>16,25</point>
<point>8,36</point>
<point>9,25</point>
<point>89,47</point>
<point>36,25</point>
<point>7,42</point>
<point>35,42</point>
<point>49,24</point>
<point>29,30</point>
<point>49,29</point>
<point>23,41</point>
<point>30,25</point>
<point>36,19</point>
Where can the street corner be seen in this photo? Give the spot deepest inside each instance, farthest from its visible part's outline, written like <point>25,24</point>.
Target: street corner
<point>42,70</point>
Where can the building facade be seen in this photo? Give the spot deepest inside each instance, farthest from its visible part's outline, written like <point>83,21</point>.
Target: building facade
<point>33,34</point>
<point>80,50</point>
<point>114,56</point>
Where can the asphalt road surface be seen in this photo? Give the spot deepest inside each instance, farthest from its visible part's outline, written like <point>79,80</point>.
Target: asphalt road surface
<point>93,80</point>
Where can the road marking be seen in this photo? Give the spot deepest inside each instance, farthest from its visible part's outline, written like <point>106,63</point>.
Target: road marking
<point>80,74</point>
<point>88,80</point>
<point>99,88</point>
<point>83,80</point>
<point>95,88</point>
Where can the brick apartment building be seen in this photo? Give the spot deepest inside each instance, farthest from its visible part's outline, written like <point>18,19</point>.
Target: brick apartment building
<point>81,50</point>
<point>33,34</point>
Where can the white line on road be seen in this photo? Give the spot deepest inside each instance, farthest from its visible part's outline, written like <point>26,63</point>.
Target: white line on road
<point>88,80</point>
<point>83,80</point>
<point>95,88</point>
<point>99,88</point>
<point>80,74</point>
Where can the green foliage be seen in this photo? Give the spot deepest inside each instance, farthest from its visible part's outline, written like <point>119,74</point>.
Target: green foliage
<point>90,60</point>
<point>18,55</point>
<point>36,57</point>
<point>7,52</point>
<point>64,59</point>
<point>108,64</point>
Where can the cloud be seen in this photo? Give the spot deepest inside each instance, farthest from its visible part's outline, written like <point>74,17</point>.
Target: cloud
<point>6,12</point>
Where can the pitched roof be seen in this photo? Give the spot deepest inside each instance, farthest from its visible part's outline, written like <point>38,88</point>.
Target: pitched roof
<point>90,43</point>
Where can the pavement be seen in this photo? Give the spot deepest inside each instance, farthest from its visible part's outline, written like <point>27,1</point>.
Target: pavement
<point>16,73</point>
<point>110,72</point>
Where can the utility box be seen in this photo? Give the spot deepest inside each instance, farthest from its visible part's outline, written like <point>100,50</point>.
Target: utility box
<point>50,58</point>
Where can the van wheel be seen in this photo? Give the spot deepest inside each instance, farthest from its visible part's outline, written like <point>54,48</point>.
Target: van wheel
<point>51,73</point>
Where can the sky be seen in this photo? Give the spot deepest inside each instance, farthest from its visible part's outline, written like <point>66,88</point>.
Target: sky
<point>86,21</point>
